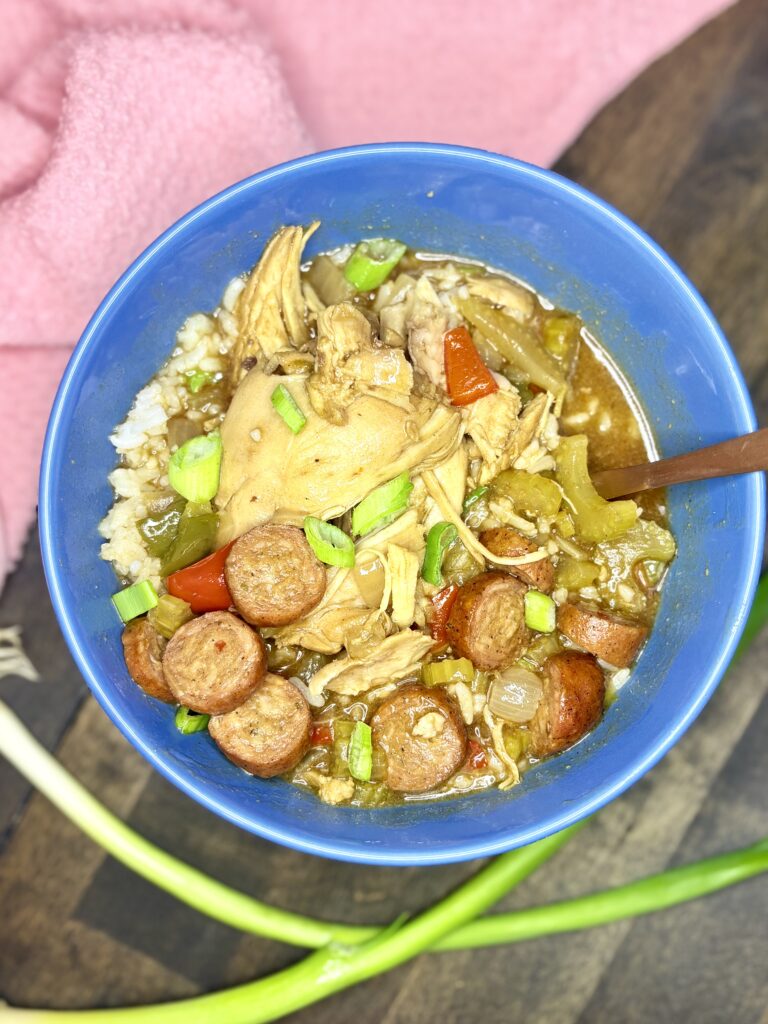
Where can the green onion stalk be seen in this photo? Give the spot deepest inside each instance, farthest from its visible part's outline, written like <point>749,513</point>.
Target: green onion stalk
<point>347,954</point>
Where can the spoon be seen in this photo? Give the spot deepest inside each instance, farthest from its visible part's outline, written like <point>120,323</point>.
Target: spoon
<point>746,454</point>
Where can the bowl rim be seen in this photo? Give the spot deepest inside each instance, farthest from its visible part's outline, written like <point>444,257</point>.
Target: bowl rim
<point>285,835</point>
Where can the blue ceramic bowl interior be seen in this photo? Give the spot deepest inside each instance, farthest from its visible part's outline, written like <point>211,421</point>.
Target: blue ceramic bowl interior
<point>574,249</point>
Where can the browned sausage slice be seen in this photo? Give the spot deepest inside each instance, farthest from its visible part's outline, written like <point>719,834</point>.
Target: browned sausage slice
<point>510,544</point>
<point>608,637</point>
<point>214,662</point>
<point>423,735</point>
<point>273,575</point>
<point>574,691</point>
<point>143,649</point>
<point>268,734</point>
<point>487,621</point>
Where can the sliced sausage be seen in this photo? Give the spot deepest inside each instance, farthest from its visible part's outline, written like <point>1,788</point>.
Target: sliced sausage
<point>508,543</point>
<point>143,650</point>
<point>214,662</point>
<point>574,691</point>
<point>268,734</point>
<point>423,735</point>
<point>608,637</point>
<point>487,621</point>
<point>273,575</point>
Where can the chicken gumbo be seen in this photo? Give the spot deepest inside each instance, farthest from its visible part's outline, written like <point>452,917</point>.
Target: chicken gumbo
<point>356,531</point>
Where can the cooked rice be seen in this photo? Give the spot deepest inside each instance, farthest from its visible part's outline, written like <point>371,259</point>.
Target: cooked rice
<point>141,440</point>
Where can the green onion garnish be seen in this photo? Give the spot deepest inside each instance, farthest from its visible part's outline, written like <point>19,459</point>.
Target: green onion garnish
<point>360,752</point>
<point>382,505</point>
<point>135,600</point>
<point>472,498</point>
<point>193,471</point>
<point>198,380</point>
<point>372,262</point>
<point>540,612</point>
<point>438,539</point>
<point>330,544</point>
<point>188,721</point>
<point>286,407</point>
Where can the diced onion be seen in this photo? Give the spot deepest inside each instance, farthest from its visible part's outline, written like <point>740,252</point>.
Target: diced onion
<point>370,578</point>
<point>331,545</point>
<point>515,694</point>
<point>316,700</point>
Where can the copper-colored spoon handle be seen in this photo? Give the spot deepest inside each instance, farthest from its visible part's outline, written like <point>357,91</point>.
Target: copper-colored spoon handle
<point>746,454</point>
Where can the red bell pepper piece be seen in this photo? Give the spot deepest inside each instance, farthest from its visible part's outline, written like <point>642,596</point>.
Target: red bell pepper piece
<point>467,376</point>
<point>476,757</point>
<point>202,585</point>
<point>321,735</point>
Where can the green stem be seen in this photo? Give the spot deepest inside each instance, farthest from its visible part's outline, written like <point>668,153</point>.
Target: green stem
<point>331,969</point>
<point>657,892</point>
<point>186,883</point>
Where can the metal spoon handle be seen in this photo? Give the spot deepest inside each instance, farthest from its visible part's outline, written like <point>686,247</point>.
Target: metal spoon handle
<point>745,454</point>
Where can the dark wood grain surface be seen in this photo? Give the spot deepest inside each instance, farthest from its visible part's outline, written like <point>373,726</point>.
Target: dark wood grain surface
<point>684,151</point>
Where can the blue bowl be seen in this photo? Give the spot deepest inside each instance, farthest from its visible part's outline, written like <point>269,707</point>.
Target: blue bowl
<point>571,247</point>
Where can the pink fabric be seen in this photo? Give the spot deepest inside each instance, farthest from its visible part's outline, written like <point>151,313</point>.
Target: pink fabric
<point>117,117</point>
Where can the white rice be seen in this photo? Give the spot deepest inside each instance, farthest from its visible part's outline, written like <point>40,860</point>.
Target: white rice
<point>141,440</point>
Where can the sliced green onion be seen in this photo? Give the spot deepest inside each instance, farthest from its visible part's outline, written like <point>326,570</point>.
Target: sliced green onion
<point>540,612</point>
<point>330,544</point>
<point>372,262</point>
<point>135,600</point>
<point>382,505</point>
<point>472,498</point>
<point>438,539</point>
<point>198,380</point>
<point>449,670</point>
<point>193,471</point>
<point>170,614</point>
<point>188,721</point>
<point>286,407</point>
<point>360,752</point>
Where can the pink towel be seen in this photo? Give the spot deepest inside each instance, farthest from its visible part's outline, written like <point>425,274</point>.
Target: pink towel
<point>117,117</point>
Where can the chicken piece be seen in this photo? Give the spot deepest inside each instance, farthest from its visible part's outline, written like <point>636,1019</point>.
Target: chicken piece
<point>268,472</point>
<point>404,569</point>
<point>493,424</point>
<point>426,324</point>
<point>343,612</point>
<point>515,299</point>
<point>395,658</point>
<point>271,309</point>
<point>349,363</point>
<point>331,791</point>
<point>452,476</point>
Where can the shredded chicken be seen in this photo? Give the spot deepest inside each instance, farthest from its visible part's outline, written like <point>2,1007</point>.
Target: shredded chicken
<point>429,726</point>
<point>515,299</point>
<point>271,309</point>
<point>427,323</point>
<point>497,737</point>
<point>395,658</point>
<point>326,468</point>
<point>331,791</point>
<point>452,476</point>
<point>463,695</point>
<point>493,424</point>
<point>404,569</point>
<point>348,363</point>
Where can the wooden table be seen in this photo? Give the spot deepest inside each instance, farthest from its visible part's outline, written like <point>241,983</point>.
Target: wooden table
<point>684,151</point>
